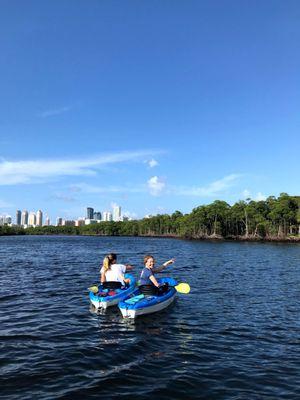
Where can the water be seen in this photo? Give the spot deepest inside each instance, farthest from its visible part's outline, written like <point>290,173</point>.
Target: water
<point>235,336</point>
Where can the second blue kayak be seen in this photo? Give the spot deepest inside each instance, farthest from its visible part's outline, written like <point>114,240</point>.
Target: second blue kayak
<point>139,304</point>
<point>111,297</point>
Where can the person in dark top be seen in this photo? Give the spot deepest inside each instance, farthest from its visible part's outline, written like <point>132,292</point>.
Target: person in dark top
<point>148,282</point>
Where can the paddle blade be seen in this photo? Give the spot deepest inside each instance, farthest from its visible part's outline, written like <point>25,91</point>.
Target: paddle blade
<point>93,289</point>
<point>183,288</point>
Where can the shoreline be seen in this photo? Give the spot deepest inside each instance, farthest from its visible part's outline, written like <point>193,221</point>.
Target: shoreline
<point>213,238</point>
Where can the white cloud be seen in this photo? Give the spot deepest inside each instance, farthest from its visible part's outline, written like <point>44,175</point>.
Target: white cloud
<point>152,163</point>
<point>53,112</point>
<point>260,197</point>
<point>211,189</point>
<point>39,171</point>
<point>246,194</point>
<point>156,185</point>
<point>129,214</point>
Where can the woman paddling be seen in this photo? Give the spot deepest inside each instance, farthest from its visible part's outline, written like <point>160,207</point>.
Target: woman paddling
<point>112,274</point>
<point>148,282</point>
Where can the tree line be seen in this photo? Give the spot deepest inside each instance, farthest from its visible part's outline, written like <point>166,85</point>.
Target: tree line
<point>270,219</point>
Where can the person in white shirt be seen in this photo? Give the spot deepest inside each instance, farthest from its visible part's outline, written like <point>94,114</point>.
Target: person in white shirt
<point>113,272</point>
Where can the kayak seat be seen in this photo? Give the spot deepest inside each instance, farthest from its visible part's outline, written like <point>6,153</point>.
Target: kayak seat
<point>112,285</point>
<point>148,290</point>
<point>152,290</point>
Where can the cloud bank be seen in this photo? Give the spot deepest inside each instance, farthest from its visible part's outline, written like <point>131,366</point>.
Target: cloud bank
<point>209,190</point>
<point>157,186</point>
<point>257,197</point>
<point>40,171</point>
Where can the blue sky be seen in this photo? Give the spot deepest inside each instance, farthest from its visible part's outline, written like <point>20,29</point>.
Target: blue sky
<point>152,105</point>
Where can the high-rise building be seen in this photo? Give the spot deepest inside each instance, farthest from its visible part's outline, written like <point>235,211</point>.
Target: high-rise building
<point>47,222</point>
<point>32,219</point>
<point>107,216</point>
<point>8,220</point>
<point>89,213</point>
<point>68,222</point>
<point>18,217</point>
<point>116,213</point>
<point>39,218</point>
<point>97,216</point>
<point>24,218</point>
<point>90,221</point>
<point>80,222</point>
<point>59,221</point>
<point>5,220</point>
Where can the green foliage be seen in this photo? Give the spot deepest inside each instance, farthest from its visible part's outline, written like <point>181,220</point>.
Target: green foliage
<point>275,217</point>
<point>11,230</point>
<point>262,230</point>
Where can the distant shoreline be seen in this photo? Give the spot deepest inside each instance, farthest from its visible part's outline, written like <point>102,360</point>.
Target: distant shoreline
<point>272,220</point>
<point>212,238</point>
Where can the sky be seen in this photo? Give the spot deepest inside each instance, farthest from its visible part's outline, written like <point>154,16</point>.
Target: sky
<point>154,105</point>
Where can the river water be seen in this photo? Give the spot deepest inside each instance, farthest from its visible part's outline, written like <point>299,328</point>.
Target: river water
<point>235,336</point>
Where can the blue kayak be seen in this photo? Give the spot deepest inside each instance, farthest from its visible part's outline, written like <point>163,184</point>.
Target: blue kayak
<point>111,297</point>
<point>139,304</point>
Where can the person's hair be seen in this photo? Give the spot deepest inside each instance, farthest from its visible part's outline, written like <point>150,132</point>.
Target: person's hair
<point>146,258</point>
<point>108,260</point>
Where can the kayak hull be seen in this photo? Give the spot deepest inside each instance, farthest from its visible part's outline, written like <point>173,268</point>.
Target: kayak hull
<point>109,300</point>
<point>147,304</point>
<point>134,313</point>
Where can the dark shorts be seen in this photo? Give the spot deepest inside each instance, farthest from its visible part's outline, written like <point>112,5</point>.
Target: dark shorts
<point>111,285</point>
<point>152,290</point>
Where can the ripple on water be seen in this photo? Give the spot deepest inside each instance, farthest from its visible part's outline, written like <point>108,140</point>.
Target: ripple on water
<point>235,336</point>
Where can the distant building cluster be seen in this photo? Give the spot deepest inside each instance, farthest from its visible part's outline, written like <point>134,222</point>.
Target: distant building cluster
<point>33,219</point>
<point>25,219</point>
<point>5,220</point>
<point>94,217</point>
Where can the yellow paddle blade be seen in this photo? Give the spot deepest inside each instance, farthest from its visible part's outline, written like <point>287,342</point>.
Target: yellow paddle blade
<point>93,289</point>
<point>183,288</point>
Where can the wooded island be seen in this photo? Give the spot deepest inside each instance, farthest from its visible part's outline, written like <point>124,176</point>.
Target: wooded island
<point>271,219</point>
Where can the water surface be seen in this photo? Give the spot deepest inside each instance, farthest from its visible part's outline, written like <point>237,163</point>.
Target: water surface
<point>235,336</point>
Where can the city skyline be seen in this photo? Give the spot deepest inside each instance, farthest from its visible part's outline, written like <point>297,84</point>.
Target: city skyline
<point>156,106</point>
<point>32,218</point>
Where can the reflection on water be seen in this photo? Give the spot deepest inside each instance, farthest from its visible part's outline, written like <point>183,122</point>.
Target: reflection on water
<point>236,335</point>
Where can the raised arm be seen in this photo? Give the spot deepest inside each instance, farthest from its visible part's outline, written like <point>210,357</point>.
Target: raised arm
<point>162,267</point>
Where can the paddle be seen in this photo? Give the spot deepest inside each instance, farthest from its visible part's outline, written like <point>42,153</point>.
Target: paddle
<point>183,288</point>
<point>94,289</point>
